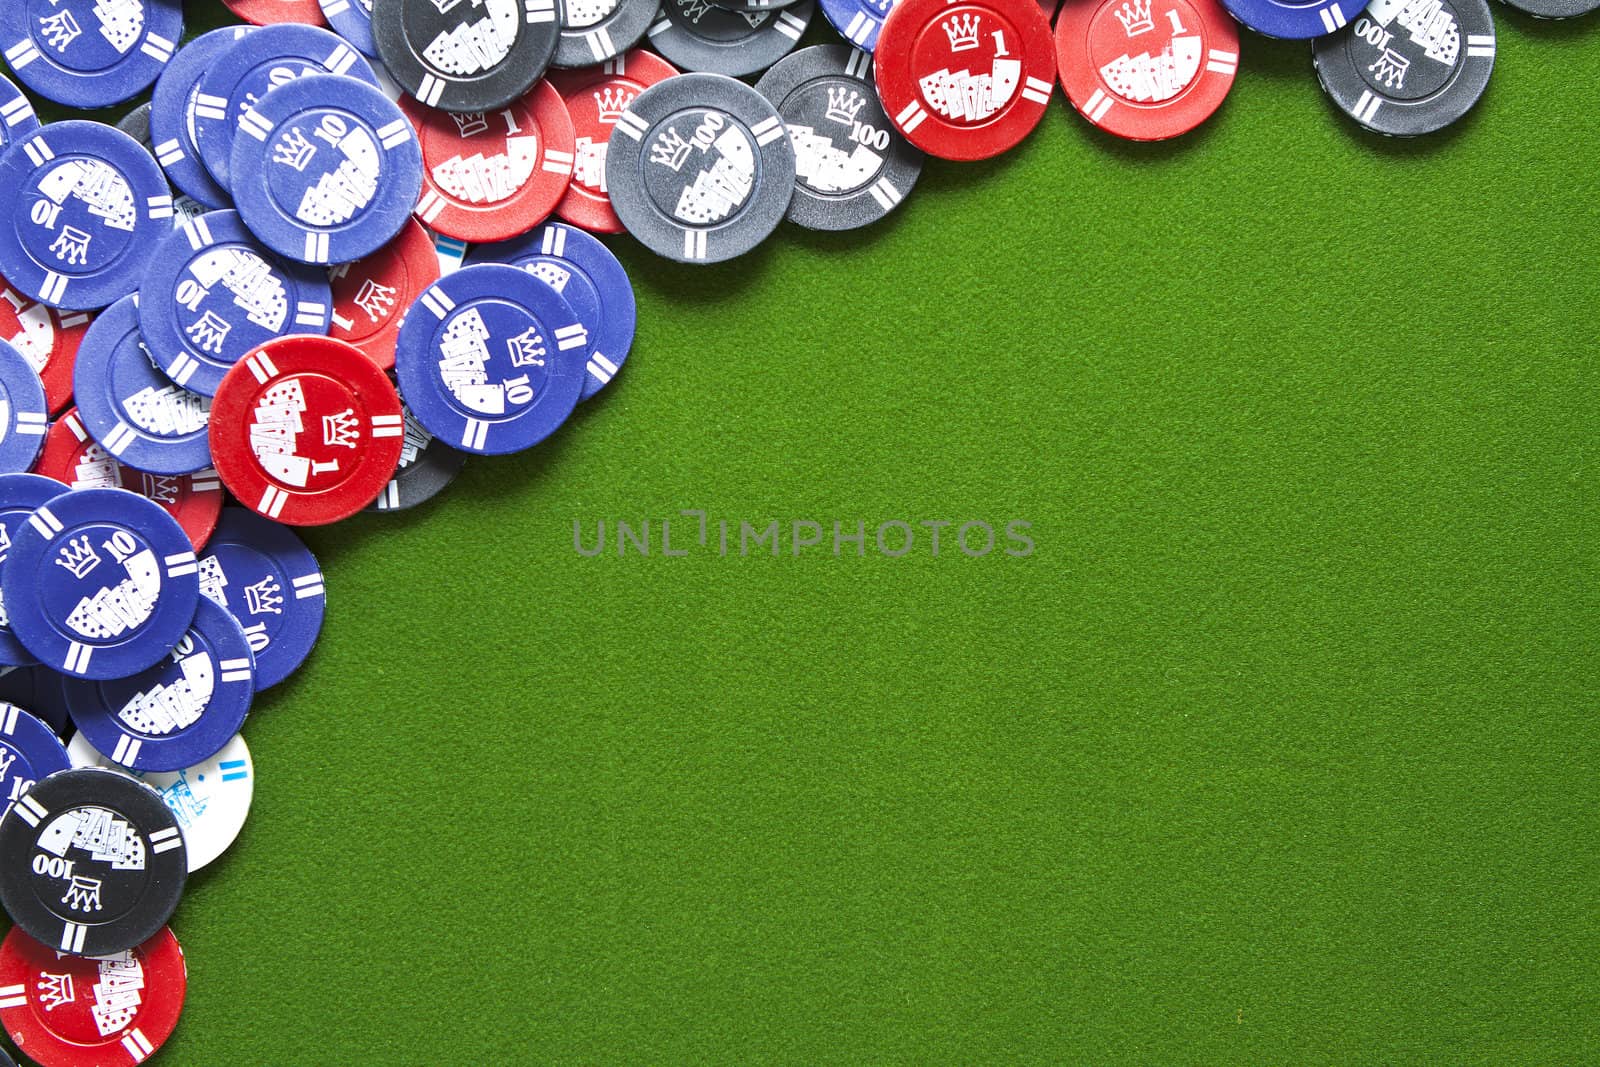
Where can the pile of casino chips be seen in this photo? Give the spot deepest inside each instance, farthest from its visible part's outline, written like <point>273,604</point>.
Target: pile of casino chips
<point>346,246</point>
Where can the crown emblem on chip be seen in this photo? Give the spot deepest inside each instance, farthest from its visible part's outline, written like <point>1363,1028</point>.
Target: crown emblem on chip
<point>844,103</point>
<point>264,597</point>
<point>962,31</point>
<point>1135,17</point>
<point>78,556</point>
<point>470,123</point>
<point>669,148</point>
<point>612,102</point>
<point>293,149</point>
<point>341,429</point>
<point>54,990</point>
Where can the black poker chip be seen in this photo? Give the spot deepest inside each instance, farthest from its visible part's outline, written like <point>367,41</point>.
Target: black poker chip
<point>593,31</point>
<point>1555,9</point>
<point>852,167</point>
<point>427,466</point>
<point>699,168</point>
<point>1408,67</point>
<point>693,35</point>
<point>92,862</point>
<point>466,57</point>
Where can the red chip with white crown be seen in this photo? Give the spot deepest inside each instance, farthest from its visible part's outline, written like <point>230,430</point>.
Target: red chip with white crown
<point>78,461</point>
<point>91,1011</point>
<point>492,175</point>
<point>372,295</point>
<point>965,79</point>
<point>48,339</point>
<point>306,430</point>
<point>596,97</point>
<point>1146,70</point>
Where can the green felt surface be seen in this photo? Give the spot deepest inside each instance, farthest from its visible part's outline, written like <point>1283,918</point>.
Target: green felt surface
<point>1279,748</point>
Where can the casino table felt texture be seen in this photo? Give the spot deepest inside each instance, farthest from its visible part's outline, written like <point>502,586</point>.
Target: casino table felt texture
<point>1278,749</point>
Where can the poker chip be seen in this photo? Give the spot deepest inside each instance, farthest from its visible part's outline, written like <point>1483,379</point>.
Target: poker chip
<point>37,690</point>
<point>372,295</point>
<point>968,79</point>
<point>20,496</point>
<point>251,67</point>
<point>210,799</point>
<point>48,339</point>
<point>24,416</point>
<point>591,281</point>
<point>114,1010</point>
<point>852,167</point>
<point>87,204</point>
<point>596,97</point>
<point>212,293</point>
<point>74,458</point>
<point>466,57</point>
<point>491,360</point>
<point>306,430</point>
<point>136,413</point>
<point>682,155</point>
<point>88,53</point>
<point>182,711</point>
<point>1408,67</point>
<point>352,20</point>
<point>858,21</point>
<point>593,31</point>
<point>266,577</point>
<point>272,12</point>
<point>1555,9</point>
<point>100,583</point>
<point>172,116</point>
<point>698,37</point>
<point>492,176</point>
<point>91,862</point>
<point>17,117</point>
<point>1150,70</point>
<point>29,752</point>
<point>1293,21</point>
<point>327,169</point>
<point>427,466</point>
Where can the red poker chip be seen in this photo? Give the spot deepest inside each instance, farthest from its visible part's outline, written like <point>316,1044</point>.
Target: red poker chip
<point>596,97</point>
<point>91,1011</point>
<point>1146,70</point>
<point>48,339</point>
<point>306,430</point>
<point>75,459</point>
<point>965,79</point>
<point>371,296</point>
<point>267,12</point>
<point>493,175</point>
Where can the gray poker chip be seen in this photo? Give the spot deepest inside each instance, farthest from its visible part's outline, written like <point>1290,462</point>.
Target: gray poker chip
<point>593,31</point>
<point>693,35</point>
<point>700,168</point>
<point>852,166</point>
<point>427,466</point>
<point>1408,67</point>
<point>466,58</point>
<point>1555,9</point>
<point>752,5</point>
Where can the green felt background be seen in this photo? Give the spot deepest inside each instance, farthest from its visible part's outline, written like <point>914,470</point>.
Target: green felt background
<point>1279,748</point>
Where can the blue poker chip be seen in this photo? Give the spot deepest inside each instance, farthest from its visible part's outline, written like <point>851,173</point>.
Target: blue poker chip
<point>37,690</point>
<point>30,752</point>
<point>1294,20</point>
<point>491,360</point>
<point>89,53</point>
<point>352,20</point>
<point>326,169</point>
<point>17,118</point>
<point>129,407</point>
<point>252,67</point>
<point>100,583</point>
<point>180,712</point>
<point>269,581</point>
<point>86,203</point>
<point>20,496</point>
<point>212,293</point>
<point>576,265</point>
<point>172,120</point>
<point>858,21</point>
<point>24,415</point>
